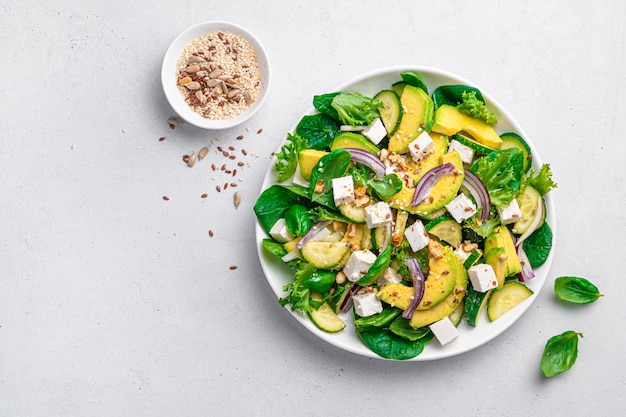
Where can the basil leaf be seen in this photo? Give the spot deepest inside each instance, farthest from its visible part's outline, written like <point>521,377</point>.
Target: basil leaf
<point>319,130</point>
<point>560,353</point>
<point>332,165</point>
<point>538,245</point>
<point>576,290</point>
<point>297,220</point>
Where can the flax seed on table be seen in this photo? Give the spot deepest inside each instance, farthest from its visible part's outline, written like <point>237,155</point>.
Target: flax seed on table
<point>218,75</point>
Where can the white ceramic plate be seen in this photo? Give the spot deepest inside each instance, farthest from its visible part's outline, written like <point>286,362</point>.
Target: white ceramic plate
<point>470,338</point>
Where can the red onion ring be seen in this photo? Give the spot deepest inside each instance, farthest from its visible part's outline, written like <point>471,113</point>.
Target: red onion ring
<point>368,159</point>
<point>317,227</point>
<point>479,192</point>
<point>427,182</point>
<point>417,276</point>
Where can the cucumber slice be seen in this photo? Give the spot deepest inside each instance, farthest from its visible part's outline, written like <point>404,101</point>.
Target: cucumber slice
<point>326,319</point>
<point>528,202</point>
<point>353,213</point>
<point>457,315</point>
<point>379,237</point>
<point>446,229</point>
<point>398,87</point>
<point>433,215</point>
<point>475,303</point>
<point>473,258</point>
<point>391,113</point>
<point>513,140</point>
<point>511,295</point>
<point>472,144</point>
<point>326,255</point>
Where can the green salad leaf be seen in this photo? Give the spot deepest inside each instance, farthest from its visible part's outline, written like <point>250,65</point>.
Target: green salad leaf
<point>541,180</point>
<point>401,327</point>
<point>319,130</point>
<point>576,290</point>
<point>272,205</point>
<point>391,346</point>
<point>452,95</point>
<point>323,104</point>
<point>560,353</point>
<point>378,267</point>
<point>386,188</point>
<point>333,165</point>
<point>377,320</point>
<point>287,156</point>
<point>501,173</point>
<point>413,78</point>
<point>299,295</point>
<point>297,220</point>
<point>538,245</point>
<point>355,109</point>
<point>471,105</point>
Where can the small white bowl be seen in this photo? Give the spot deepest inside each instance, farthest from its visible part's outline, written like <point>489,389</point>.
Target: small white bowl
<point>169,80</point>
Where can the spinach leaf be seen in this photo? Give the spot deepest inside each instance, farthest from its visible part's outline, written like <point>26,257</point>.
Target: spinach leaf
<point>322,104</point>
<point>400,326</point>
<point>297,220</point>
<point>501,173</point>
<point>274,247</point>
<point>452,95</point>
<point>538,245</point>
<point>355,109</point>
<point>272,205</point>
<point>560,353</point>
<point>332,165</point>
<point>287,157</point>
<point>386,188</point>
<point>391,346</point>
<point>377,320</point>
<point>412,78</point>
<point>576,290</point>
<point>378,267</point>
<point>319,130</point>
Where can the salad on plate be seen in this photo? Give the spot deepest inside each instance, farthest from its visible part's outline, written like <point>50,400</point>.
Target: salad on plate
<point>404,214</point>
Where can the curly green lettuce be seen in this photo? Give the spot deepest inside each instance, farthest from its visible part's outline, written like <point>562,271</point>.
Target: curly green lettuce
<point>287,157</point>
<point>476,108</point>
<point>355,109</point>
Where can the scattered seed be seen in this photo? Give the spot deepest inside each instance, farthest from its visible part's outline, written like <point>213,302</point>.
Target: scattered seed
<point>232,148</point>
<point>203,152</point>
<point>213,167</point>
<point>185,158</point>
<point>211,233</point>
<point>174,121</point>
<point>233,184</point>
<point>240,164</point>
<point>162,138</point>
<point>234,172</point>
<point>225,185</point>
<point>223,167</point>
<point>259,131</point>
<point>166,198</point>
<point>233,267</point>
<point>192,159</point>
<point>228,171</point>
<point>237,199</point>
<point>218,188</point>
<point>239,137</point>
<point>232,157</point>
<point>219,148</point>
<point>205,195</point>
<point>243,151</point>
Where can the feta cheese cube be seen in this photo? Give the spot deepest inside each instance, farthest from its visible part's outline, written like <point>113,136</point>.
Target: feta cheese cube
<point>390,276</point>
<point>421,147</point>
<point>465,152</point>
<point>378,215</point>
<point>511,213</point>
<point>280,233</point>
<point>461,208</point>
<point>461,254</point>
<point>417,236</point>
<point>367,304</point>
<point>358,264</point>
<point>483,277</point>
<point>444,331</point>
<point>297,179</point>
<point>375,132</point>
<point>343,190</point>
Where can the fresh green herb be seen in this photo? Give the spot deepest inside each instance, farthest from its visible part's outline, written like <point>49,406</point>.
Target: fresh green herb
<point>332,165</point>
<point>501,172</point>
<point>377,268</point>
<point>560,353</point>
<point>272,205</point>
<point>412,78</point>
<point>377,320</point>
<point>297,220</point>
<point>355,109</point>
<point>480,228</point>
<point>538,245</point>
<point>391,346</point>
<point>287,157</point>
<point>576,290</point>
<point>542,180</point>
<point>319,130</point>
<point>471,105</point>
<point>386,188</point>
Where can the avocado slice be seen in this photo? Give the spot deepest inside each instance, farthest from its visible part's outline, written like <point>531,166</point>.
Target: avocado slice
<point>442,193</point>
<point>307,159</point>
<point>353,140</point>
<point>449,120</point>
<point>417,117</point>
<point>500,253</point>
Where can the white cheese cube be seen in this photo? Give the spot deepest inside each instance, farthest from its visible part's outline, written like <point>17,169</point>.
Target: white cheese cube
<point>378,215</point>
<point>358,264</point>
<point>421,147</point>
<point>297,179</point>
<point>279,231</point>
<point>343,190</point>
<point>483,277</point>
<point>375,132</point>
<point>461,208</point>
<point>465,152</point>
<point>367,304</point>
<point>461,254</point>
<point>390,276</point>
<point>417,236</point>
<point>511,213</point>
<point>444,331</point>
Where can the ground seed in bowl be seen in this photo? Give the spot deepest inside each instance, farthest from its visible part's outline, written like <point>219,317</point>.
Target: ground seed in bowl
<point>218,75</point>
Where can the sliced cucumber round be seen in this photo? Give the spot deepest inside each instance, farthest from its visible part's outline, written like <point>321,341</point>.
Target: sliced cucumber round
<point>353,213</point>
<point>528,202</point>
<point>513,140</point>
<point>504,300</point>
<point>475,303</point>
<point>325,255</point>
<point>446,229</point>
<point>326,319</point>
<point>391,112</point>
<point>473,258</point>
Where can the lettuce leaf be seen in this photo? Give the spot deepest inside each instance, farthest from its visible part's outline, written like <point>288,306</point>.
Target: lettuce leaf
<point>476,108</point>
<point>287,157</point>
<point>501,172</point>
<point>355,109</point>
<point>542,180</point>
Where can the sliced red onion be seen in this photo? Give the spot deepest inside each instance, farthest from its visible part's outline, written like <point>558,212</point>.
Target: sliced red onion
<point>417,276</point>
<point>317,227</point>
<point>368,159</point>
<point>527,270</point>
<point>479,192</point>
<point>290,256</point>
<point>346,304</point>
<point>427,182</point>
<point>533,226</point>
